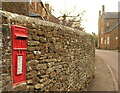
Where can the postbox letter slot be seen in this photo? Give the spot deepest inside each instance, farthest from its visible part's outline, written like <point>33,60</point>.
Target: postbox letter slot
<point>20,36</point>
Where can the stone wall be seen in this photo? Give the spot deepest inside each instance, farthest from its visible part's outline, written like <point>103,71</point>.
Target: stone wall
<point>0,54</point>
<point>6,59</point>
<point>59,58</point>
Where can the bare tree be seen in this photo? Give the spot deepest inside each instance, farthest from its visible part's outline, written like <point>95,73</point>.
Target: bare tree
<point>72,20</point>
<point>71,17</point>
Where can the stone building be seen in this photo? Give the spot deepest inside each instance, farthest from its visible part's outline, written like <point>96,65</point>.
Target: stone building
<point>38,9</point>
<point>13,7</point>
<point>33,8</point>
<point>108,25</point>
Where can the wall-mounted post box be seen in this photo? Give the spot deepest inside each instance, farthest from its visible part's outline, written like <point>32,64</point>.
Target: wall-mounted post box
<point>19,47</point>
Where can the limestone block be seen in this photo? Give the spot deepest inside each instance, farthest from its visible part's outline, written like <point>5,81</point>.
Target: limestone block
<point>31,48</point>
<point>41,72</point>
<point>41,66</point>
<point>32,62</point>
<point>33,43</point>
<point>34,37</point>
<point>30,88</point>
<point>58,45</point>
<point>43,39</point>
<point>38,86</point>
<point>40,33</point>
<point>31,74</point>
<point>29,82</point>
<point>35,80</point>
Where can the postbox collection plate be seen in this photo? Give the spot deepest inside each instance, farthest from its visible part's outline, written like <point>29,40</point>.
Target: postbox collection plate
<point>19,64</point>
<point>19,47</point>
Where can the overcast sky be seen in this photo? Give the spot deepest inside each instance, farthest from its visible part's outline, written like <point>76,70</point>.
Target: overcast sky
<point>91,7</point>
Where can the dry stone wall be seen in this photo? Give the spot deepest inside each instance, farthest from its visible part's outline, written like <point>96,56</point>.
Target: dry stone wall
<point>5,66</point>
<point>59,58</point>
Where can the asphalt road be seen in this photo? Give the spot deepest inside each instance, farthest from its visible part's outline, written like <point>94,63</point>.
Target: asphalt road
<point>110,57</point>
<point>106,73</point>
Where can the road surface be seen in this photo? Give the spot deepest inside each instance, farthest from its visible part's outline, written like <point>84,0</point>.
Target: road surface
<point>106,74</point>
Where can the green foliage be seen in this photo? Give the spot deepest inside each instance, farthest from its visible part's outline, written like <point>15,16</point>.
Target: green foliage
<point>95,37</point>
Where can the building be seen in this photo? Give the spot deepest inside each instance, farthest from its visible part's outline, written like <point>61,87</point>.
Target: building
<point>38,9</point>
<point>16,7</point>
<point>108,25</point>
<point>33,8</point>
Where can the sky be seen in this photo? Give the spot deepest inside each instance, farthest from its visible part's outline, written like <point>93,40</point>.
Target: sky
<point>92,7</point>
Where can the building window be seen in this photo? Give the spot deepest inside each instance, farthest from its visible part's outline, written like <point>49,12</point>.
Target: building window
<point>102,30</point>
<point>108,40</point>
<point>101,40</point>
<point>116,38</point>
<point>30,1</point>
<point>107,24</point>
<point>105,41</point>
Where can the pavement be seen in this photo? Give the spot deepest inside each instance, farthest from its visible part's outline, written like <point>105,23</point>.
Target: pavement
<point>106,73</point>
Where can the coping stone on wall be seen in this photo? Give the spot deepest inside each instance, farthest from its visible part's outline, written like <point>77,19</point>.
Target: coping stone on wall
<point>22,18</point>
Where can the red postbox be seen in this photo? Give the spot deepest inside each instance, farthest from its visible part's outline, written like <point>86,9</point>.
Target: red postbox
<point>19,47</point>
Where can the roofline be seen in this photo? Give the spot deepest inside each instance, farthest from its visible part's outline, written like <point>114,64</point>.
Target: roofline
<point>112,29</point>
<point>112,17</point>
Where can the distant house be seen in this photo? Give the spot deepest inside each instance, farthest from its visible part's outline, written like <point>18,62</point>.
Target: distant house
<point>33,8</point>
<point>16,7</point>
<point>38,9</point>
<point>108,25</point>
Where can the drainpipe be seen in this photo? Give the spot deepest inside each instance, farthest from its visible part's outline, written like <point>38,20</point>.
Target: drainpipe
<point>110,40</point>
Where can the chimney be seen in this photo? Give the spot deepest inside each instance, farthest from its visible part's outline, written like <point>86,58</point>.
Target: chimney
<point>47,6</point>
<point>99,13</point>
<point>103,8</point>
